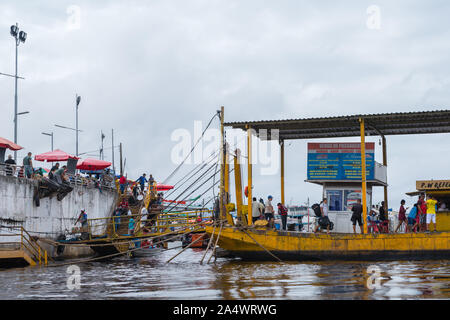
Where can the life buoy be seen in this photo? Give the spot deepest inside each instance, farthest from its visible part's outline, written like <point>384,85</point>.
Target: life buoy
<point>246,191</point>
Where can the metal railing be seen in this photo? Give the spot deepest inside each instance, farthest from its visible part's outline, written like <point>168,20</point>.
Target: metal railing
<point>99,226</point>
<point>73,179</point>
<point>29,245</point>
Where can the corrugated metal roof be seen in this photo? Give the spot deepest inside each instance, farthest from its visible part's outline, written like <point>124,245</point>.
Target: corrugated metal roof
<point>421,122</point>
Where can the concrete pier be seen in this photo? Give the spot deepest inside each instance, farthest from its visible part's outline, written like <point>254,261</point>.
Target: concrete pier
<point>52,217</point>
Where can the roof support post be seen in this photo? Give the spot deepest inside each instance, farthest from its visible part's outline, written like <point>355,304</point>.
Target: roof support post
<point>238,185</point>
<point>222,165</point>
<point>249,169</point>
<point>227,183</point>
<point>383,139</point>
<point>282,170</point>
<point>363,173</point>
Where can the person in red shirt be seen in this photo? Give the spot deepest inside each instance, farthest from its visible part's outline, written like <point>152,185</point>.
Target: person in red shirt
<point>422,209</point>
<point>123,183</point>
<point>282,211</point>
<point>402,215</point>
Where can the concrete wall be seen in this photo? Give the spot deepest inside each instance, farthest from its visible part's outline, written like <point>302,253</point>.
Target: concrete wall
<point>52,217</point>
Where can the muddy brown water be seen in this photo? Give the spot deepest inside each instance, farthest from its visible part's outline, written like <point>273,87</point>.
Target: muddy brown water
<point>184,278</point>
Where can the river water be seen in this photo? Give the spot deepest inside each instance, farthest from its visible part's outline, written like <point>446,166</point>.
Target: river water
<point>184,278</point>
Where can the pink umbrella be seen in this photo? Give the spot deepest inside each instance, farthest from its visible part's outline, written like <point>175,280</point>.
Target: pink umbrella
<point>92,164</point>
<point>5,143</point>
<point>56,155</point>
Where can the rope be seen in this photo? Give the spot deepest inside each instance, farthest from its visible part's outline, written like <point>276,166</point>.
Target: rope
<point>111,255</point>
<point>190,186</point>
<point>190,244</point>
<point>215,245</point>
<point>279,260</point>
<point>209,244</point>
<point>179,166</point>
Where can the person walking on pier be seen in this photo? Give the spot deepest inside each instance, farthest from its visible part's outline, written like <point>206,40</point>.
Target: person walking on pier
<point>324,217</point>
<point>413,218</point>
<point>357,210</point>
<point>402,216</point>
<point>28,165</point>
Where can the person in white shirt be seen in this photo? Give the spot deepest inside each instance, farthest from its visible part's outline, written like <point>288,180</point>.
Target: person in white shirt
<point>269,212</point>
<point>324,211</point>
<point>255,210</point>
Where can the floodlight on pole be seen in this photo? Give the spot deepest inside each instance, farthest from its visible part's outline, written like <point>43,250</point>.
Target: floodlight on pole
<point>77,102</point>
<point>19,36</point>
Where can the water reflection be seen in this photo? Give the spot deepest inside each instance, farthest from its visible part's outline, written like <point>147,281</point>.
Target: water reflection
<point>184,278</point>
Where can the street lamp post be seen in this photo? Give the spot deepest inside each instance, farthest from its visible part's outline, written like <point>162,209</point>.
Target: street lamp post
<point>57,125</point>
<point>77,101</point>
<point>51,135</point>
<point>19,37</point>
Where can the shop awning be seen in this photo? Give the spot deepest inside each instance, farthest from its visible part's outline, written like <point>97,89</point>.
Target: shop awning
<point>5,143</point>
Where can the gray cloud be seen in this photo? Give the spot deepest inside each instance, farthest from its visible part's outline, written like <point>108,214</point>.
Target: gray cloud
<point>146,68</point>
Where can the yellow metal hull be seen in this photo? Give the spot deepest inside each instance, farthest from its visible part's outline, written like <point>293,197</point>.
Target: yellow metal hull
<point>310,247</point>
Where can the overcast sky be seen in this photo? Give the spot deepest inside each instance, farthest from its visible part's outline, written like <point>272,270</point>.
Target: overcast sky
<point>147,68</point>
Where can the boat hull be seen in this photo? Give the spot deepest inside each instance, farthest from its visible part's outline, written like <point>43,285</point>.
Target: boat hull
<point>296,246</point>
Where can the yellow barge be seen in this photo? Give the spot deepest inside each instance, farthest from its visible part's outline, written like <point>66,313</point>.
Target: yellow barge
<point>242,239</point>
<point>298,246</point>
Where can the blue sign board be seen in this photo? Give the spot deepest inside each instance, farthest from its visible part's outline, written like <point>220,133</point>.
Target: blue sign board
<point>339,161</point>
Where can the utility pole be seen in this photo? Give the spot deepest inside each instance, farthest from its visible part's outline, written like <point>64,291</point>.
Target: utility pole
<point>77,101</point>
<point>112,145</point>
<point>102,136</point>
<point>121,163</point>
<point>18,37</point>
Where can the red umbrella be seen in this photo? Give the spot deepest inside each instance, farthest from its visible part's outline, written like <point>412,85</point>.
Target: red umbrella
<point>5,143</point>
<point>57,155</point>
<point>163,187</point>
<point>92,164</point>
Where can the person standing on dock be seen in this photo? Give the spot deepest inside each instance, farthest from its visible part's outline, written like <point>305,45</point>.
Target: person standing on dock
<point>256,213</point>
<point>422,208</point>
<point>10,166</point>
<point>28,165</point>
<point>431,212</point>
<point>123,184</point>
<point>402,216</point>
<point>282,211</point>
<point>269,212</point>
<point>131,226</point>
<point>357,210</point>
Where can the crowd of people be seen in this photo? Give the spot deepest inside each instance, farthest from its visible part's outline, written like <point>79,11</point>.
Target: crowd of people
<point>57,173</point>
<point>421,215</point>
<point>265,211</point>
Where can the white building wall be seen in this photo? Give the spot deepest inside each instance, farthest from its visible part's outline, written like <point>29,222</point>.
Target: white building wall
<point>52,217</point>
